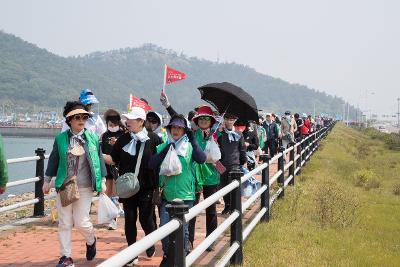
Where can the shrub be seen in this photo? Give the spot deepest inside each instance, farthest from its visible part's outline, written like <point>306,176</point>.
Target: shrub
<point>391,140</point>
<point>366,179</point>
<point>335,207</point>
<point>396,189</point>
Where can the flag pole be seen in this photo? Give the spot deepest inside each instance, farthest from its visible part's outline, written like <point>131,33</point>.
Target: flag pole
<point>164,78</point>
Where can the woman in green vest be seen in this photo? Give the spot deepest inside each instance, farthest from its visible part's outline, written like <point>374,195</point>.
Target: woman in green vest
<point>3,168</point>
<point>207,177</point>
<point>76,154</point>
<point>180,186</point>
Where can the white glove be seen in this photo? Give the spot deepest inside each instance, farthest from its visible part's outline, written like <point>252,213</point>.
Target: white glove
<point>103,186</point>
<point>164,100</point>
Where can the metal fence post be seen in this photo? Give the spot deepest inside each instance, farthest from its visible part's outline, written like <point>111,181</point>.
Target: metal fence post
<point>265,195</point>
<point>176,250</point>
<point>38,209</point>
<point>292,167</point>
<point>298,162</point>
<point>312,144</point>
<point>317,140</point>
<point>281,166</point>
<point>236,226</point>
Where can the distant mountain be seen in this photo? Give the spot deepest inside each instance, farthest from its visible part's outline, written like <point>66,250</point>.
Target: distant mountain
<point>33,77</point>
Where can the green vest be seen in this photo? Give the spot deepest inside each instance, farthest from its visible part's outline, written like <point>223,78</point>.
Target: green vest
<point>164,137</point>
<point>3,165</point>
<point>180,186</point>
<point>91,147</point>
<point>205,173</point>
<point>262,134</point>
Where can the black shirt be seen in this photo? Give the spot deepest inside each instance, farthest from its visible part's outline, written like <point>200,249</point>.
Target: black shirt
<point>251,138</point>
<point>232,153</point>
<point>112,172</point>
<point>127,163</point>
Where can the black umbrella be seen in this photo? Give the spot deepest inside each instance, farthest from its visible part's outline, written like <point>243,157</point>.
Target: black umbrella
<point>229,98</point>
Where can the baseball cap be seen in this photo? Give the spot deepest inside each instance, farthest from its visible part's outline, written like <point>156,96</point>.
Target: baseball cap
<point>135,113</point>
<point>87,97</point>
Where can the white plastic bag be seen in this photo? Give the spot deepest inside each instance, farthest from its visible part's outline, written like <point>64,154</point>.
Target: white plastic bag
<point>171,164</point>
<point>107,210</point>
<point>212,151</point>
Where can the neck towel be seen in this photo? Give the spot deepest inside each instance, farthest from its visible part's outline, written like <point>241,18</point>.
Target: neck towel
<point>181,145</point>
<point>131,146</point>
<point>232,135</point>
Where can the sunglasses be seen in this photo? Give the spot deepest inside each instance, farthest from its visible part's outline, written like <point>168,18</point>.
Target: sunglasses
<point>153,121</point>
<point>80,117</point>
<point>205,118</point>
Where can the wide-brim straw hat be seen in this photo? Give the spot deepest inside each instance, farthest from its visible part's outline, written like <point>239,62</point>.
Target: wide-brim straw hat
<point>77,111</point>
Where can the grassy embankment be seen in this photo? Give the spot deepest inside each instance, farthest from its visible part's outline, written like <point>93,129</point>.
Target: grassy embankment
<point>343,211</point>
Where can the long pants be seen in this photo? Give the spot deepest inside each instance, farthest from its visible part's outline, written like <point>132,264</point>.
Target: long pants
<point>225,180</point>
<point>164,219</point>
<point>271,145</point>
<point>285,143</point>
<point>211,213</point>
<point>75,214</point>
<point>143,203</point>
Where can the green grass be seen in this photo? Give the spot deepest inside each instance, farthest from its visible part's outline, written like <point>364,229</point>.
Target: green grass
<point>329,218</point>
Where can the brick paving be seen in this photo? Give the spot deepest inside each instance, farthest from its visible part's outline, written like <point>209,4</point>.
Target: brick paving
<point>36,244</point>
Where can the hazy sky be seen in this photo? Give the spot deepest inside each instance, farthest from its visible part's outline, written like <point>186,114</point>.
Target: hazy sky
<point>342,47</point>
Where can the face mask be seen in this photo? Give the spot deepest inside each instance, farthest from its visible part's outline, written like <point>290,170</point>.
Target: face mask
<point>288,117</point>
<point>113,129</point>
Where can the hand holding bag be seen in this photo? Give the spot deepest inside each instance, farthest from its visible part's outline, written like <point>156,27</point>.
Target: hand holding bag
<point>171,164</point>
<point>212,151</point>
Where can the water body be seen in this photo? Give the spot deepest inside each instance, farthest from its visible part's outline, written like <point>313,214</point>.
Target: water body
<point>17,147</point>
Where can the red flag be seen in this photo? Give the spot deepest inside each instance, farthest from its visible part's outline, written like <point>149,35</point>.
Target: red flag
<point>172,75</point>
<point>136,102</point>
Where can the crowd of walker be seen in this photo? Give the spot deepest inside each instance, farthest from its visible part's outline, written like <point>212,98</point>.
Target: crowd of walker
<point>188,157</point>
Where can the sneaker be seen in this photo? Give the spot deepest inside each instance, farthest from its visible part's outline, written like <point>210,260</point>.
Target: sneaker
<point>133,262</point>
<point>113,225</point>
<point>91,251</point>
<point>150,251</point>
<point>65,262</point>
<point>164,262</point>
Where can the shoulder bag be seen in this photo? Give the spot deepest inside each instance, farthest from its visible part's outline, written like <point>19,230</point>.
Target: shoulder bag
<point>127,185</point>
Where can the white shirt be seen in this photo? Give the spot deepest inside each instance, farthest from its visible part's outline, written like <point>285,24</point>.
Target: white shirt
<point>94,124</point>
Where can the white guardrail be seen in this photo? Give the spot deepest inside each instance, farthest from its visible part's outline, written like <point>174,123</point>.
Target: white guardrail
<point>293,167</point>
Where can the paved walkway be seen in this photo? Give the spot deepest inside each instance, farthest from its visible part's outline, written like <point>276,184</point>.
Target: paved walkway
<point>36,244</point>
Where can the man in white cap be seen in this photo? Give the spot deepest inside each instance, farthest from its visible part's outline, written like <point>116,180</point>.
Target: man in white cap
<point>94,123</point>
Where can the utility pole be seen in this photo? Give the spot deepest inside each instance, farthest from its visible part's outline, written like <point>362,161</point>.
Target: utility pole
<point>344,112</point>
